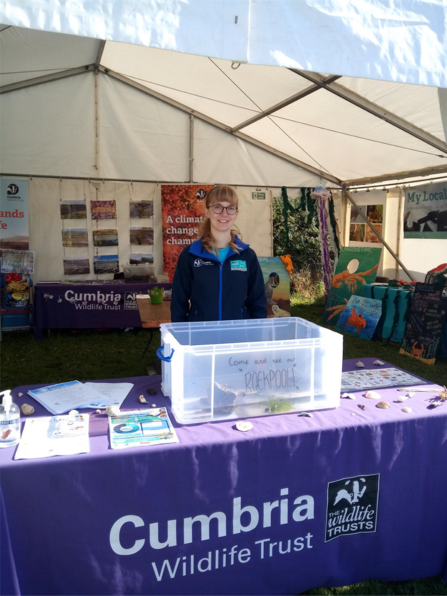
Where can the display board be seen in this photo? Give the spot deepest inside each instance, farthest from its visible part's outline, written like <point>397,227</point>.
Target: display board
<point>277,286</point>
<point>14,229</point>
<point>427,316</point>
<point>183,210</point>
<point>356,267</point>
<point>425,211</point>
<point>360,317</point>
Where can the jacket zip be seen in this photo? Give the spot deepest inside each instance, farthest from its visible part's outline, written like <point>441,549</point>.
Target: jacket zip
<point>220,291</point>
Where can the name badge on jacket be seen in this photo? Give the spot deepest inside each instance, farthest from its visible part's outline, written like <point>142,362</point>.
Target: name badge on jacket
<point>238,265</point>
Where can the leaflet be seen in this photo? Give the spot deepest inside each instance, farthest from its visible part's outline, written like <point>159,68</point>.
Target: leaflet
<point>64,397</point>
<point>138,428</point>
<point>113,393</point>
<point>54,435</point>
<point>358,380</point>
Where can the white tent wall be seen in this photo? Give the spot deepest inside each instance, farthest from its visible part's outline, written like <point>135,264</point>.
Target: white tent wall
<point>49,129</point>
<point>46,224</point>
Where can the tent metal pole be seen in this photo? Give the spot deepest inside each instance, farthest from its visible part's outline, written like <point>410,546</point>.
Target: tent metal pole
<point>63,74</point>
<point>191,147</point>
<point>399,226</point>
<point>379,236</point>
<point>97,147</point>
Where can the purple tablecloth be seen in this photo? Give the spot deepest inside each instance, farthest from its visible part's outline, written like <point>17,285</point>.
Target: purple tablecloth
<point>270,511</point>
<point>87,306</point>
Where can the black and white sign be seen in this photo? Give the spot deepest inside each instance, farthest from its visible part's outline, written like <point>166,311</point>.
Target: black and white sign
<point>352,506</point>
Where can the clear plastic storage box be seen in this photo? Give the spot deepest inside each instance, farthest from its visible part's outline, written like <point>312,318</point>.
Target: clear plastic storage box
<point>257,367</point>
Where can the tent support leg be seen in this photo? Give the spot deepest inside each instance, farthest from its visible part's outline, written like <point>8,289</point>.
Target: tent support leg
<point>191,148</point>
<point>379,236</point>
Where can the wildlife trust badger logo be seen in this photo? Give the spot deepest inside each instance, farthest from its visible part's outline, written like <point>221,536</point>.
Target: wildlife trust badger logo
<point>352,506</point>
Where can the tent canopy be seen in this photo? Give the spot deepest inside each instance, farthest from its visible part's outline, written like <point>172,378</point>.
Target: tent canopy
<point>339,129</point>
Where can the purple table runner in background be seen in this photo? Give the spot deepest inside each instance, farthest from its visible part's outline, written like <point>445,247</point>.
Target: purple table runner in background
<point>87,306</point>
<point>344,496</point>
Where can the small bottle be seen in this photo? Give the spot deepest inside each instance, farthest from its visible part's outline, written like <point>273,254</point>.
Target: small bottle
<point>9,421</point>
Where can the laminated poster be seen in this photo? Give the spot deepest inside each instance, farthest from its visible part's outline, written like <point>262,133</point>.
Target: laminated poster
<point>14,215</point>
<point>277,286</point>
<point>139,428</point>
<point>183,209</point>
<point>360,317</point>
<point>73,209</point>
<point>427,317</point>
<point>356,267</point>
<point>103,209</point>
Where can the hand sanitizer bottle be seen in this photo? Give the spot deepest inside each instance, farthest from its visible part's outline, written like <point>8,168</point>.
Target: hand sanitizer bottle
<point>9,421</point>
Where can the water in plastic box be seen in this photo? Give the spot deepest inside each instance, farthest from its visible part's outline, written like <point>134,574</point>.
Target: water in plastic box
<point>257,367</point>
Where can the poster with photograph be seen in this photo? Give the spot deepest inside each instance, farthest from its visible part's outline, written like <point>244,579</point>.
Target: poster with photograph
<point>14,217</point>
<point>360,317</point>
<point>356,212</point>
<point>371,237</point>
<point>139,236</point>
<point>103,210</point>
<point>425,211</point>
<point>357,232</point>
<point>76,265</point>
<point>74,237</point>
<point>17,261</point>
<point>73,209</point>
<point>138,259</point>
<point>277,286</point>
<point>105,237</point>
<point>106,264</point>
<point>141,209</point>
<point>183,209</point>
<point>356,266</point>
<point>374,213</point>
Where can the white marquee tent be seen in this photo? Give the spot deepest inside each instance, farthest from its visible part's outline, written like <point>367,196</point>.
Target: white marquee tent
<point>118,97</point>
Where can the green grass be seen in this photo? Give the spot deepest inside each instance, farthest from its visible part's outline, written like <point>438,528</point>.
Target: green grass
<point>65,356</point>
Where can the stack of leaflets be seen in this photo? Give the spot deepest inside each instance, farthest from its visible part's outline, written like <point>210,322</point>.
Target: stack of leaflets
<point>138,428</point>
<point>64,397</point>
<point>54,435</point>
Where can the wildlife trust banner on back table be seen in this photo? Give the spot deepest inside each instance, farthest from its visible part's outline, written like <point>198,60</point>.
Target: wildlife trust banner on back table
<point>14,217</point>
<point>425,211</point>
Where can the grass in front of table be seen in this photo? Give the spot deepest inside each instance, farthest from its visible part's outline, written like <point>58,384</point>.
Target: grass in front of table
<point>65,356</point>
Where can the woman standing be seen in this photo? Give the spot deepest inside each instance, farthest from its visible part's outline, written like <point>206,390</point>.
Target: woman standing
<point>218,277</point>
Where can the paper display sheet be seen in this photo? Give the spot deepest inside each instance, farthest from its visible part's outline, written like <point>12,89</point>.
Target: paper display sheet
<point>64,397</point>
<point>358,380</point>
<point>113,393</point>
<point>54,435</point>
<point>137,428</point>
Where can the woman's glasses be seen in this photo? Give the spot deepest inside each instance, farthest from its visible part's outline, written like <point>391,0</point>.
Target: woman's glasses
<point>217,208</point>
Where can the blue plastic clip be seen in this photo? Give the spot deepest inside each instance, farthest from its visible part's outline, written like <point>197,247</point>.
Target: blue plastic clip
<point>160,354</point>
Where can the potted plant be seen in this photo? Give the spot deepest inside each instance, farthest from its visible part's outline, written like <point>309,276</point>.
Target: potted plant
<point>156,295</point>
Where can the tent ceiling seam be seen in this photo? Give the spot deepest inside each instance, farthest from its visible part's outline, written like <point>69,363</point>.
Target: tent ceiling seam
<point>284,103</point>
<point>101,48</point>
<point>423,172</point>
<point>275,123</point>
<point>373,109</point>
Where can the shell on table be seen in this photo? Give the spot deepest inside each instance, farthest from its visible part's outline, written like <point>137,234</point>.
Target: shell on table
<point>348,395</point>
<point>142,399</point>
<point>378,362</point>
<point>402,398</point>
<point>360,364</point>
<point>383,405</point>
<point>113,411</point>
<point>27,410</point>
<point>407,410</point>
<point>373,395</point>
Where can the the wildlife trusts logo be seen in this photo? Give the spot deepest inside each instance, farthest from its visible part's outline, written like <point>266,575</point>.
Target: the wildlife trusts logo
<point>352,506</point>
<point>12,189</point>
<point>201,194</point>
<point>199,263</point>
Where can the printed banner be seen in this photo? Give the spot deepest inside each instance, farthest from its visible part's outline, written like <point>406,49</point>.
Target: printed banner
<point>425,211</point>
<point>425,322</point>
<point>277,286</point>
<point>14,217</point>
<point>356,267</point>
<point>360,317</point>
<point>359,231</point>
<point>183,209</point>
